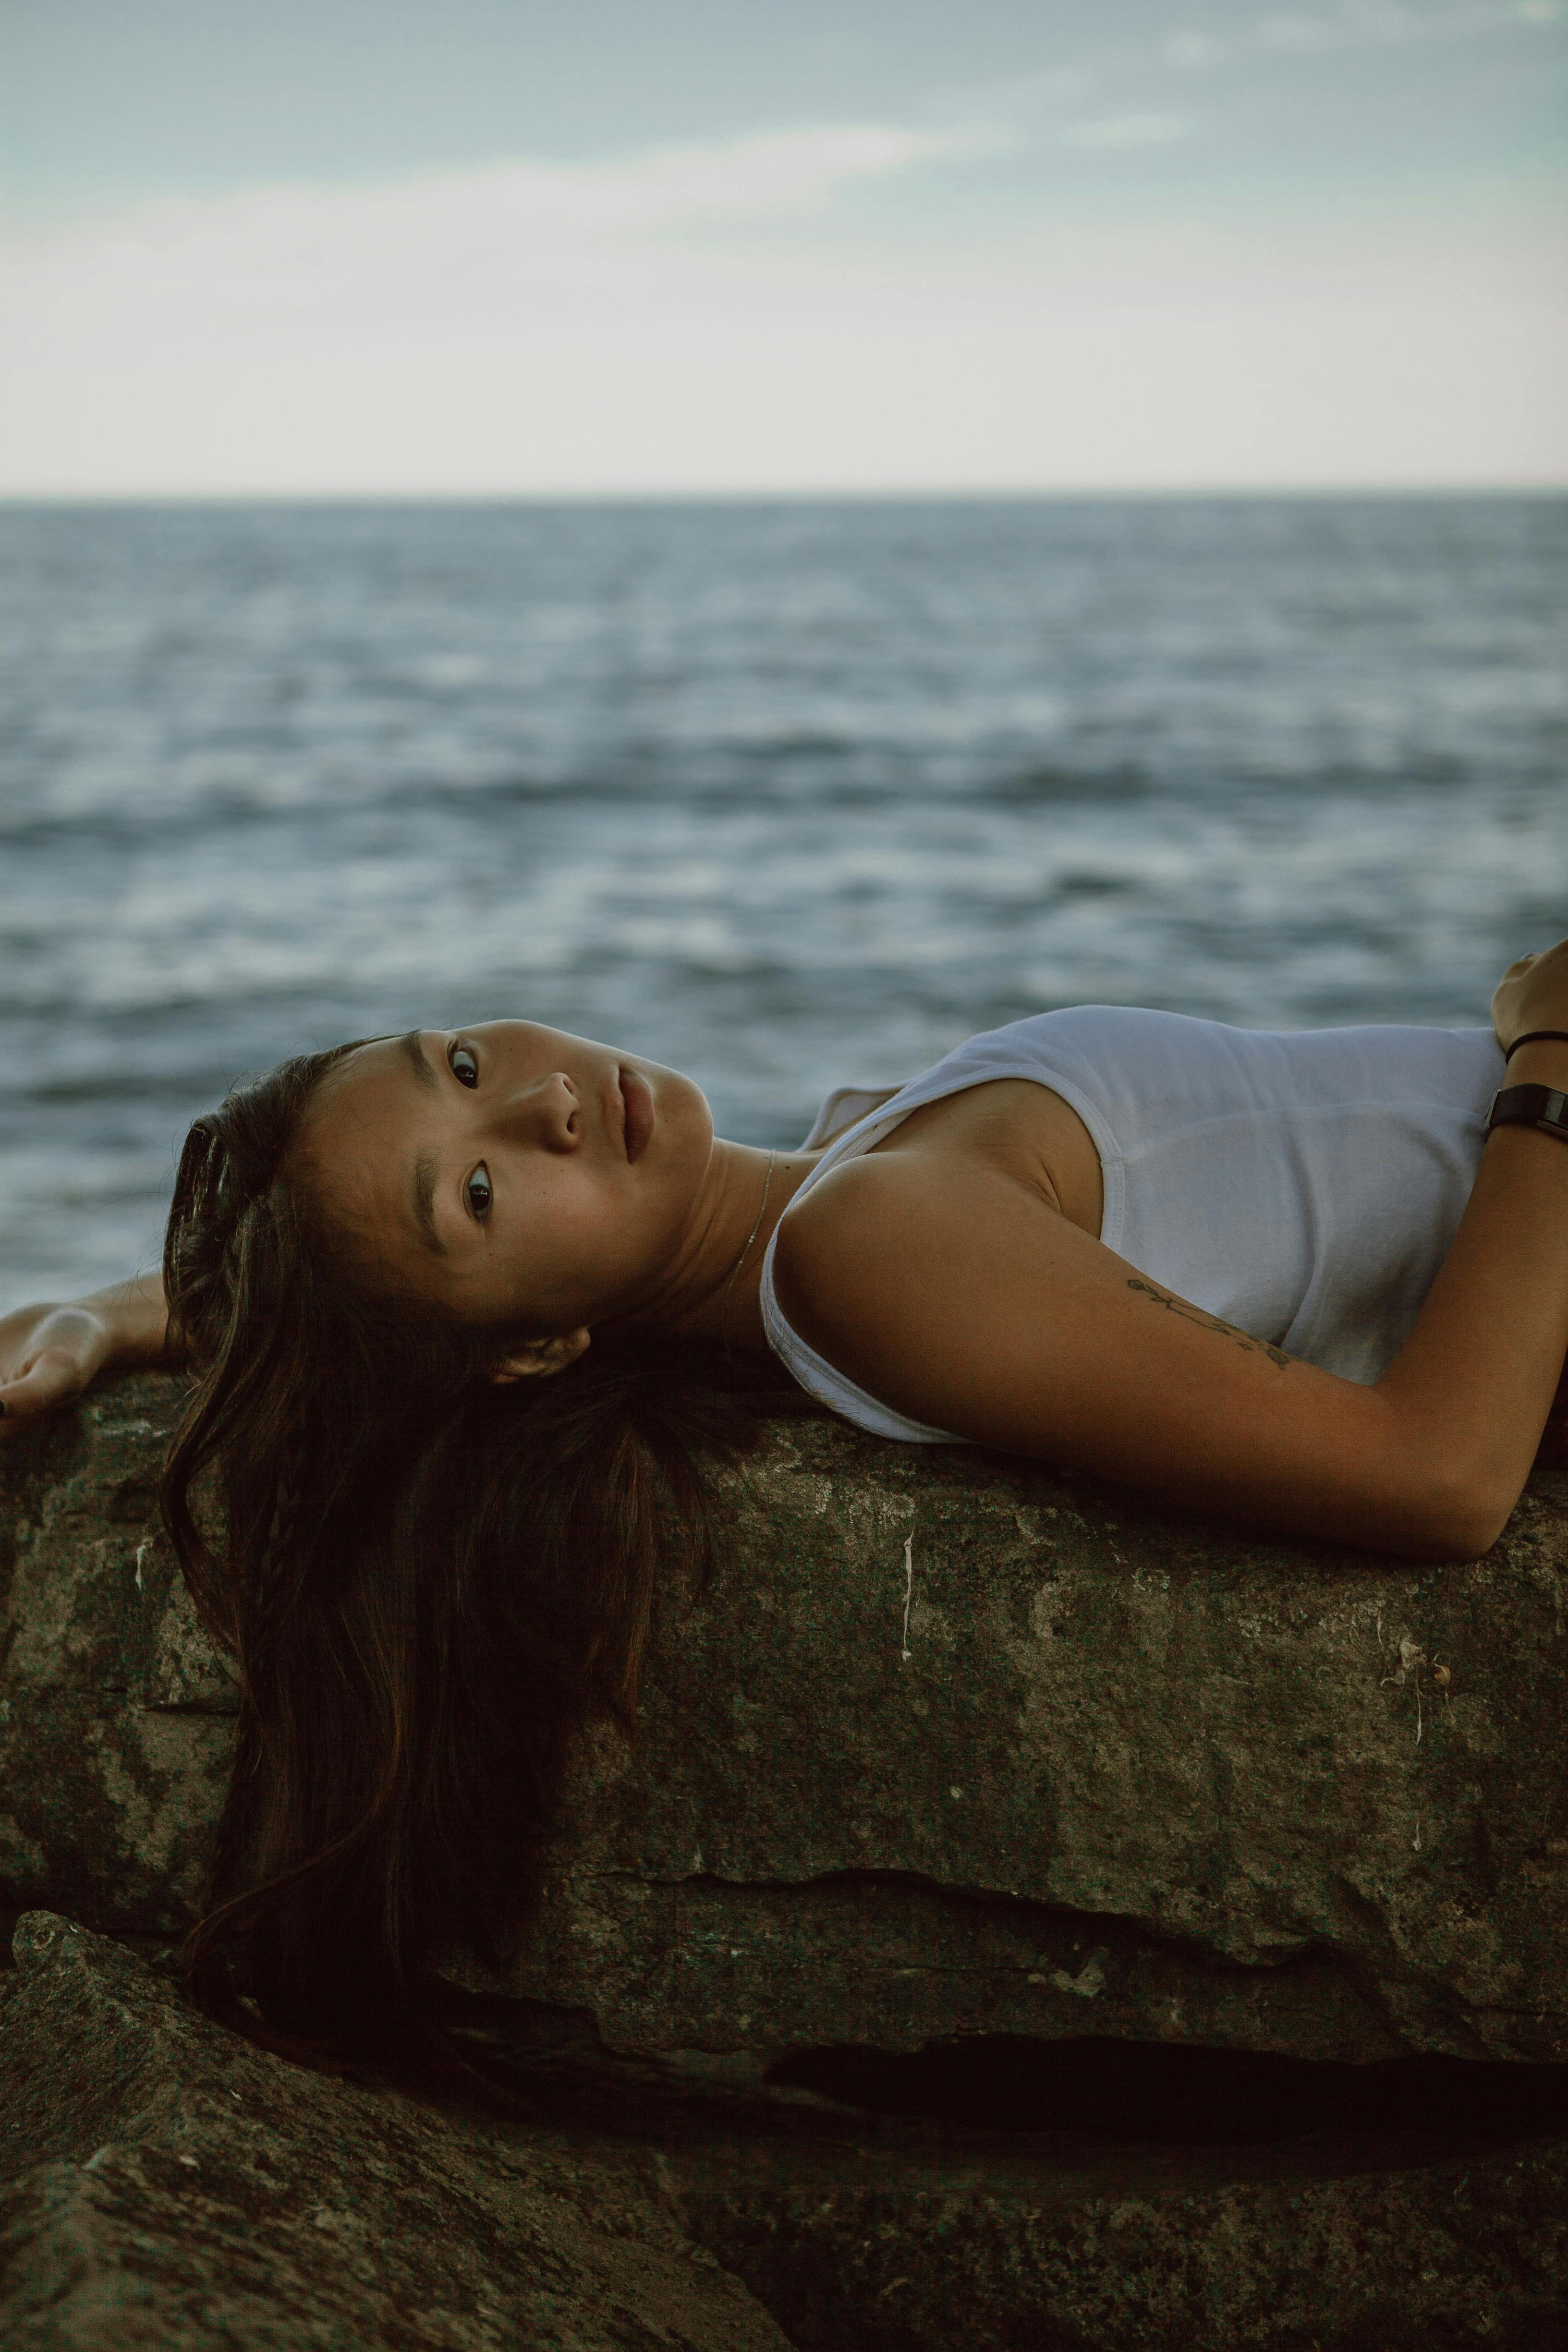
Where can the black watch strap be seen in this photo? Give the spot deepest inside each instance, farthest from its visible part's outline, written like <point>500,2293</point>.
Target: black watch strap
<point>1543,1106</point>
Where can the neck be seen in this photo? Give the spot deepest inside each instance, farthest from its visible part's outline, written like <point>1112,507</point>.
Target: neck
<point>713,1291</point>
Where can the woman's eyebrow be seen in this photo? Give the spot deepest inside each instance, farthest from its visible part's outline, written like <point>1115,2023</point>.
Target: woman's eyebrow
<point>422,1189</point>
<point>409,1045</point>
<point>421,1200</point>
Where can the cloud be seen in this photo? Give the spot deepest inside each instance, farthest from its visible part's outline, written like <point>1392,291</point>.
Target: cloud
<point>479,241</point>
<point>1193,52</point>
<point>1127,130</point>
<point>1120,68</point>
<point>715,316</point>
<point>1297,34</point>
<point>1053,397</point>
<point>1360,24</point>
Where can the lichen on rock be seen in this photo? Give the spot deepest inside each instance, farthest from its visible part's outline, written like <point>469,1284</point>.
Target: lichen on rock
<point>951,1744</point>
<point>163,2184</point>
<point>951,1748</point>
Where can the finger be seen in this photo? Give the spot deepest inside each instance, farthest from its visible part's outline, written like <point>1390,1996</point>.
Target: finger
<point>52,1380</point>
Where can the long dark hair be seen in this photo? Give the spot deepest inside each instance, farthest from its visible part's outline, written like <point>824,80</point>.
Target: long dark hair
<point>426,1581</point>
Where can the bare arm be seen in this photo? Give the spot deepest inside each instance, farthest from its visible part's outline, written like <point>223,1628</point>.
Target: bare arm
<point>49,1352</point>
<point>936,1299</point>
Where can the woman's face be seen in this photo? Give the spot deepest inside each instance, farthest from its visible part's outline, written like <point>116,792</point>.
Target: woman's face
<point>509,1172</point>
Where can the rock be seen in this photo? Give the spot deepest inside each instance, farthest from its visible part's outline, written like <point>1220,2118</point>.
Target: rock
<point>1064,1765</point>
<point>952,1745</point>
<point>114,1741</point>
<point>163,2184</point>
<point>1385,2248</point>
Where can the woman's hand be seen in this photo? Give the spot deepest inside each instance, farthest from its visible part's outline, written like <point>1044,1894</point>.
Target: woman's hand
<point>1532,994</point>
<point>49,1353</point>
<point>47,1356</point>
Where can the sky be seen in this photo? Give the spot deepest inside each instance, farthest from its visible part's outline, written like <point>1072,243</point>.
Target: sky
<point>733,246</point>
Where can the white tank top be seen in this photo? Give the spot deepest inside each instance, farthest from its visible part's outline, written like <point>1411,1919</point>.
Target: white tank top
<point>1302,1184</point>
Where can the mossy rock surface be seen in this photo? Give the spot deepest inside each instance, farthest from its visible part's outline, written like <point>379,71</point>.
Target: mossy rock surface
<point>164,2185</point>
<point>167,2188</point>
<point>950,1746</point>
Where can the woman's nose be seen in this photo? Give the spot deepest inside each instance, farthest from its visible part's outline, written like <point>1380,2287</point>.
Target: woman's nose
<point>544,1112</point>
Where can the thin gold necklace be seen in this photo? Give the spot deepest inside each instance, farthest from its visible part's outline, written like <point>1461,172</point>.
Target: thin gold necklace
<point>739,1262</point>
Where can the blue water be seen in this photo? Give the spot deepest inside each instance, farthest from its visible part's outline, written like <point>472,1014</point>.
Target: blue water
<point>785,795</point>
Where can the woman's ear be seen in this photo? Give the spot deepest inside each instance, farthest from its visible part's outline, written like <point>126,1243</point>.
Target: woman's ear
<point>541,1356</point>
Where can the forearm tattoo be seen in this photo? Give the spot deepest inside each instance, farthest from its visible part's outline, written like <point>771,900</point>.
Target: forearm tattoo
<point>1275,1356</point>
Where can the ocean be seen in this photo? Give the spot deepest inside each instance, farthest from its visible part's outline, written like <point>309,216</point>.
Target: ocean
<point>785,794</point>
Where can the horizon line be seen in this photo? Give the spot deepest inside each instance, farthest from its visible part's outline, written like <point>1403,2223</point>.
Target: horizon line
<point>783,496</point>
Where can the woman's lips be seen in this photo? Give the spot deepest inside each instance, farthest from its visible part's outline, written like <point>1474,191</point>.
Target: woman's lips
<point>636,1096</point>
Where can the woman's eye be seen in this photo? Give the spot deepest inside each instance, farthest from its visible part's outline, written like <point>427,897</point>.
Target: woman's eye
<point>478,1189</point>
<point>464,1067</point>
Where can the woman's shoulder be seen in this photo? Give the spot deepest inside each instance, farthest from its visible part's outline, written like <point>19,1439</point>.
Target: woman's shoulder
<point>846,1207</point>
<point>874,1231</point>
<point>841,1229</point>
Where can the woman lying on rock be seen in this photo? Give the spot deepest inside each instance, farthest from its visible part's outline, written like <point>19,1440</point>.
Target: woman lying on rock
<point>468,1312</point>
